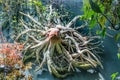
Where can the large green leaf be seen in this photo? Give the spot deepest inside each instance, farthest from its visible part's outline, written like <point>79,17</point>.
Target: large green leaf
<point>95,7</point>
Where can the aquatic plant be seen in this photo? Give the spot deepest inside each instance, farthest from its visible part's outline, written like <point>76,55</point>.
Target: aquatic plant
<point>57,44</point>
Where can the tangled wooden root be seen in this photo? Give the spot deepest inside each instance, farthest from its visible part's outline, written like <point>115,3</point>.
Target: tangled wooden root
<point>63,49</point>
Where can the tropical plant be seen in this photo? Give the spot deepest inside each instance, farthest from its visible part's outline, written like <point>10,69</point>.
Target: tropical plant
<point>103,14</point>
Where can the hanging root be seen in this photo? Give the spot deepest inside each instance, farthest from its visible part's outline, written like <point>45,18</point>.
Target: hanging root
<point>62,48</point>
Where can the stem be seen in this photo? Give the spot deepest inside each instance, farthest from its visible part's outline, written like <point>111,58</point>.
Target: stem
<point>73,21</point>
<point>39,44</point>
<point>74,41</point>
<point>31,18</point>
<point>29,30</point>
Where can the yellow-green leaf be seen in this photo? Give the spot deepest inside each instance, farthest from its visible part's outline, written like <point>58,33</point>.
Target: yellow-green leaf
<point>117,37</point>
<point>102,21</point>
<point>114,75</point>
<point>118,55</point>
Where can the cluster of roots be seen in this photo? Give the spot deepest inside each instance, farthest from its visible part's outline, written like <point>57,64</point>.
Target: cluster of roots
<point>64,50</point>
<point>61,47</point>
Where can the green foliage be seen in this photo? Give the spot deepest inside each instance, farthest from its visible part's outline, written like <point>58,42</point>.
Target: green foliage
<point>106,15</point>
<point>95,7</point>
<point>114,75</point>
<point>91,10</point>
<point>39,4</point>
<point>102,21</point>
<point>103,14</point>
<point>101,32</point>
<point>118,55</point>
<point>117,36</point>
<point>92,24</point>
<point>118,52</point>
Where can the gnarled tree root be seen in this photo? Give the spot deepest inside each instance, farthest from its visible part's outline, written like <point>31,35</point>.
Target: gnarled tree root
<point>62,48</point>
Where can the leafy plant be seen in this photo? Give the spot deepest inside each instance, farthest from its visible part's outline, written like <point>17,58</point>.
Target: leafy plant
<point>104,14</point>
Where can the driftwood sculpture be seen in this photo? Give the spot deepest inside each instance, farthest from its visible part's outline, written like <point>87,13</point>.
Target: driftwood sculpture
<point>59,46</point>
